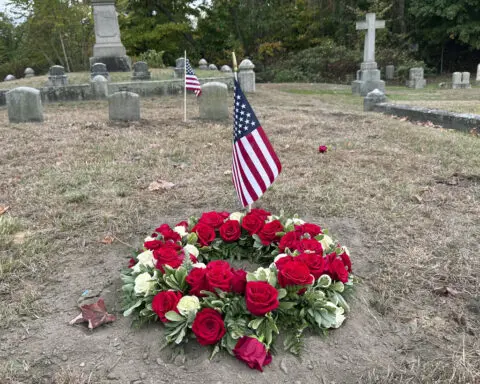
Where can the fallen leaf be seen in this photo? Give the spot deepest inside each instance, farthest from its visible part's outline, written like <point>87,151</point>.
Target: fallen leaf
<point>417,199</point>
<point>107,239</point>
<point>95,314</point>
<point>226,173</point>
<point>444,290</point>
<point>403,119</point>
<point>3,209</point>
<point>160,185</point>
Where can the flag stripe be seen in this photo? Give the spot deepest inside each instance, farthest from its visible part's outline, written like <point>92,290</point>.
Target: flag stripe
<point>268,151</point>
<point>235,178</point>
<point>244,190</point>
<point>253,162</point>
<point>261,156</point>
<point>247,176</point>
<point>191,81</point>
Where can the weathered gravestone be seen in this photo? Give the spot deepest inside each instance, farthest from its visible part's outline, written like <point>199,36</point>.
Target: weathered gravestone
<point>56,76</point>
<point>9,78</point>
<point>179,70</point>
<point>389,72</point>
<point>24,105</point>
<point>225,69</point>
<point>373,98</point>
<point>246,76</point>
<point>461,80</point>
<point>99,69</point>
<point>124,106</point>
<point>477,80</point>
<point>415,79</point>
<point>368,77</point>
<point>214,102</point>
<point>212,67</point>
<point>108,48</point>
<point>203,64</point>
<point>140,71</point>
<point>29,72</point>
<point>100,87</point>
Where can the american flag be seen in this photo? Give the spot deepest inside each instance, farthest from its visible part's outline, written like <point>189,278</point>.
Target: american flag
<point>191,80</point>
<point>255,164</point>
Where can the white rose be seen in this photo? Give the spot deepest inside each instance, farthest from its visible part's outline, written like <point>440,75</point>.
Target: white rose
<point>261,274</point>
<point>280,256</point>
<point>188,304</point>
<point>144,284</point>
<point>326,242</point>
<point>236,216</point>
<point>149,238</point>
<point>294,221</point>
<point>146,259</point>
<point>345,249</point>
<point>181,230</point>
<point>199,265</point>
<point>339,317</point>
<point>191,250</point>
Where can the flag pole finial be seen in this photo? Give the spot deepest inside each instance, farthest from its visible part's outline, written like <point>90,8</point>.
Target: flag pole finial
<point>234,59</point>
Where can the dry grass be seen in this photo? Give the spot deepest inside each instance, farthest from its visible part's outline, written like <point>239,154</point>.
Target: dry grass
<point>413,191</point>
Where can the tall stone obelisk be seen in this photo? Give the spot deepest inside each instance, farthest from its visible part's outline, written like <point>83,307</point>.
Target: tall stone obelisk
<point>108,48</point>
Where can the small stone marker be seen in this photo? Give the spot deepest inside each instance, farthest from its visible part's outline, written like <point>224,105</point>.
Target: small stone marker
<point>461,80</point>
<point>29,72</point>
<point>24,104</point>
<point>99,69</point>
<point>212,67</point>
<point>214,101</point>
<point>203,64</point>
<point>477,80</point>
<point>368,77</point>
<point>9,78</point>
<point>373,98</point>
<point>246,76</point>
<point>179,69</point>
<point>389,72</point>
<point>100,86</point>
<point>226,69</point>
<point>57,77</point>
<point>416,79</point>
<point>140,71</point>
<point>124,106</point>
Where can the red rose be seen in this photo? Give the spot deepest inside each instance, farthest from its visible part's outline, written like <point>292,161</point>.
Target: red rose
<point>213,219</point>
<point>197,281</point>
<point>312,229</point>
<point>283,260</point>
<point>310,245</point>
<point>268,234</point>
<point>337,271</point>
<point>154,234</point>
<point>239,281</point>
<point>230,230</point>
<point>289,240</point>
<point>206,234</point>
<point>218,275</point>
<point>315,263</point>
<point>346,261</point>
<point>260,213</point>
<point>131,263</point>
<point>167,256</point>
<point>153,244</point>
<point>252,223</point>
<point>252,352</point>
<point>260,297</point>
<point>322,148</point>
<point>208,326</point>
<point>294,273</point>
<point>165,301</point>
<point>168,233</point>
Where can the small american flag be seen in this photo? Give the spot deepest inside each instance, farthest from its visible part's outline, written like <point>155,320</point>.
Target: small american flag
<point>255,164</point>
<point>191,80</point>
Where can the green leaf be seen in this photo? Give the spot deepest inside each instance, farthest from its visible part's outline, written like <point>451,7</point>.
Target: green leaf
<point>286,305</point>
<point>282,293</point>
<point>174,316</point>
<point>255,323</point>
<point>129,311</point>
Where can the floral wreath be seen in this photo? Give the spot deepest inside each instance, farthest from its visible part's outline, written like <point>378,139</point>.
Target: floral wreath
<point>182,277</point>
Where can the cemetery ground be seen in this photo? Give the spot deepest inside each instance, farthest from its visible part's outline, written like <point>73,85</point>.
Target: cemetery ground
<point>404,198</point>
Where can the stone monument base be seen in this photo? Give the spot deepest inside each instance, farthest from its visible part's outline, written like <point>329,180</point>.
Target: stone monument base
<point>416,83</point>
<point>113,63</point>
<point>368,79</point>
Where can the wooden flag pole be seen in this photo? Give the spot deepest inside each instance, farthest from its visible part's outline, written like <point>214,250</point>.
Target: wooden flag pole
<point>185,88</point>
<point>235,70</point>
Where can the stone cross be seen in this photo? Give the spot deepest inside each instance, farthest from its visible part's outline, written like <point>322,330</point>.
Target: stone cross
<point>370,25</point>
